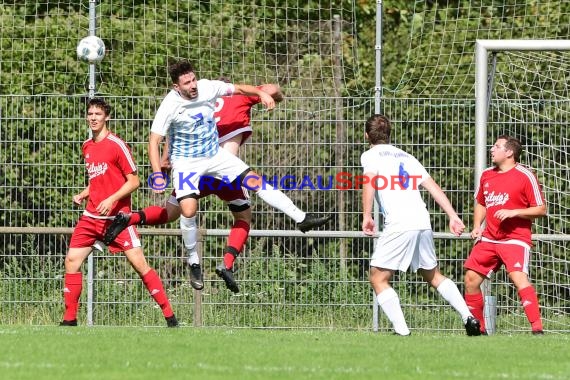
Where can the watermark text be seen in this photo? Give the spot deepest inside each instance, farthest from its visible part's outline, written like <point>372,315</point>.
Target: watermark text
<point>338,181</point>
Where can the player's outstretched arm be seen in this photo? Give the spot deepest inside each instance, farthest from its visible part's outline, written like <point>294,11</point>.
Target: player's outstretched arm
<point>455,224</point>
<point>246,89</point>
<point>274,90</point>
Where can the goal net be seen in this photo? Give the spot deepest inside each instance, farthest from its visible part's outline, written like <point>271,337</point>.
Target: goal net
<point>528,97</point>
<point>439,55</point>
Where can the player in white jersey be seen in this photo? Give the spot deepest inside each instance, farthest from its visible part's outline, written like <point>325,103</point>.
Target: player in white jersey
<point>393,177</point>
<point>186,117</point>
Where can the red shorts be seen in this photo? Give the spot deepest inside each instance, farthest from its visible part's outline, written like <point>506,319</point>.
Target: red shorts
<point>232,193</point>
<point>487,257</point>
<point>89,230</point>
<point>228,132</point>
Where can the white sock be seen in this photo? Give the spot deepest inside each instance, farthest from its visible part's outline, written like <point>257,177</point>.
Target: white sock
<point>190,238</point>
<point>390,304</point>
<point>449,291</point>
<point>276,199</point>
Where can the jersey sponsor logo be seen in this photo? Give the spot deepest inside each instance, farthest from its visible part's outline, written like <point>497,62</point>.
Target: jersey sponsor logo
<point>517,265</point>
<point>492,199</point>
<point>95,170</point>
<point>199,119</point>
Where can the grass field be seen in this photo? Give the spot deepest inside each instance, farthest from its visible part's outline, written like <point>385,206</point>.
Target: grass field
<point>187,353</point>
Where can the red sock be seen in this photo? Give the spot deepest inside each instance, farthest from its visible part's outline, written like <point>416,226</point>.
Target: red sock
<point>73,284</point>
<point>475,303</point>
<point>236,240</point>
<point>154,285</point>
<point>529,302</point>
<point>151,216</point>
<point>135,218</point>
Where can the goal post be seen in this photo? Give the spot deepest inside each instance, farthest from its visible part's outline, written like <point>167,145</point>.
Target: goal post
<point>541,98</point>
<point>482,49</point>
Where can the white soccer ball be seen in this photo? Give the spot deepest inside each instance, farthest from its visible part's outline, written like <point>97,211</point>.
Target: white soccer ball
<point>91,49</point>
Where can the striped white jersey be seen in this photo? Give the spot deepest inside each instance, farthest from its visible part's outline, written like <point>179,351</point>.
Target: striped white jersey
<point>189,124</point>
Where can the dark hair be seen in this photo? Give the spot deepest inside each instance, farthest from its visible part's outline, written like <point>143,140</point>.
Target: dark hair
<point>99,103</point>
<point>177,69</point>
<point>378,129</point>
<point>513,144</point>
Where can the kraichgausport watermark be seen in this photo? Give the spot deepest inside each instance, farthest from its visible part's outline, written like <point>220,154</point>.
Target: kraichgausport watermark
<point>338,181</point>
<point>158,181</point>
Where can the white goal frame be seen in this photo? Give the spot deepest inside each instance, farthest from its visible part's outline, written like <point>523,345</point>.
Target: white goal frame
<point>482,49</point>
<point>482,93</point>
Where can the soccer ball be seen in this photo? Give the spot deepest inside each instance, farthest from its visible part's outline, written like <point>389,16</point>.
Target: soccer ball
<point>91,49</point>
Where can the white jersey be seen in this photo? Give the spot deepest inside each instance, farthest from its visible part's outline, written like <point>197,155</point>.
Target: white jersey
<point>189,124</point>
<point>398,176</point>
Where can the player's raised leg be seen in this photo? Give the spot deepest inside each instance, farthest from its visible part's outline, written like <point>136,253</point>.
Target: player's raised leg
<point>189,206</point>
<point>277,199</point>
<point>150,216</point>
<point>236,241</point>
<point>189,231</point>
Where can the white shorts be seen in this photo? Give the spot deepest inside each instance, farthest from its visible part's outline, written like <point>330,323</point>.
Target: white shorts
<point>186,172</point>
<point>400,250</point>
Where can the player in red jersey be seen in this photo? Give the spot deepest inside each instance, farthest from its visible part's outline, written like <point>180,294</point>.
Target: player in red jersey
<point>509,198</point>
<point>233,118</point>
<point>112,178</point>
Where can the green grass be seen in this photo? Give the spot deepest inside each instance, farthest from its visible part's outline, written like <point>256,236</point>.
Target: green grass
<point>234,354</point>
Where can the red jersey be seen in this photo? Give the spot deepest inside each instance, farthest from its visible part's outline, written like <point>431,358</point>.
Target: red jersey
<point>108,162</point>
<point>515,189</point>
<point>233,115</point>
